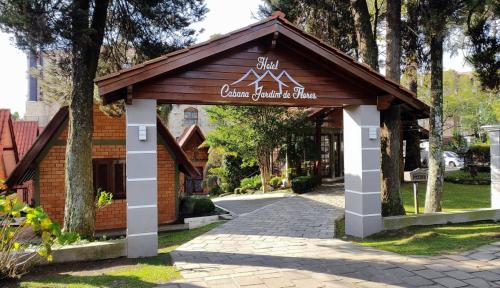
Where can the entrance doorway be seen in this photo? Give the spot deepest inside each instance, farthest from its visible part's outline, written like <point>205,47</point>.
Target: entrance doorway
<point>269,63</point>
<point>326,155</point>
<point>332,153</point>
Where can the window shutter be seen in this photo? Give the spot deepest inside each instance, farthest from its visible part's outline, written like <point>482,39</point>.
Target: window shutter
<point>119,179</point>
<point>102,176</point>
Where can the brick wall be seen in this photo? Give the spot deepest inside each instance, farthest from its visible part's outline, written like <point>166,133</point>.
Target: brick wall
<point>51,176</point>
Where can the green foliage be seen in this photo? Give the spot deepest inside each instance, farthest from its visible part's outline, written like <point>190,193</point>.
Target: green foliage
<point>275,182</point>
<point>194,206</point>
<point>455,197</point>
<point>203,206</point>
<point>456,143</point>
<point>253,183</point>
<point>186,205</point>
<point>215,191</point>
<point>482,31</point>
<point>16,220</point>
<point>434,240</point>
<point>464,101</point>
<point>480,153</point>
<point>253,132</point>
<point>103,199</point>
<point>303,184</point>
<point>328,20</point>
<point>236,171</point>
<point>140,272</point>
<point>464,177</point>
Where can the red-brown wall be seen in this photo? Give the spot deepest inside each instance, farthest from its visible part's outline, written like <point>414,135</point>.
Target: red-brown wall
<point>51,175</point>
<point>197,156</point>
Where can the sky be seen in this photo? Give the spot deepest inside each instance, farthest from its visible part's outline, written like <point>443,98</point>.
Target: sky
<point>224,16</point>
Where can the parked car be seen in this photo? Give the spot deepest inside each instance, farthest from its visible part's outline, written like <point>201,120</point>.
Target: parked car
<point>452,160</point>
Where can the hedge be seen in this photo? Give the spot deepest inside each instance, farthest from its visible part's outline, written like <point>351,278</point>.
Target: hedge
<point>192,206</point>
<point>303,184</point>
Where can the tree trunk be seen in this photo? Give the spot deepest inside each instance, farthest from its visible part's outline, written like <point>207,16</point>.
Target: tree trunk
<point>412,159</point>
<point>390,135</point>
<point>79,210</point>
<point>393,40</point>
<point>436,163</point>
<point>367,43</point>
<point>264,160</point>
<point>392,203</point>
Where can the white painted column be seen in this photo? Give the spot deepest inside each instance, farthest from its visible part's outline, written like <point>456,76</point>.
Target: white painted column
<point>141,162</point>
<point>494,131</point>
<point>362,170</point>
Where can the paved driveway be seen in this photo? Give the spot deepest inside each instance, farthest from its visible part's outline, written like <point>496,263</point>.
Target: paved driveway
<point>242,204</point>
<point>289,244</point>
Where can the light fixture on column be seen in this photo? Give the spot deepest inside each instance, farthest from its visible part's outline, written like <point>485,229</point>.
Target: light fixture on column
<point>142,133</point>
<point>372,133</point>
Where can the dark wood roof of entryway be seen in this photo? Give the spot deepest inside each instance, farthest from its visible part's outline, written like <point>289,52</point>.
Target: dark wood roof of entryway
<point>196,74</point>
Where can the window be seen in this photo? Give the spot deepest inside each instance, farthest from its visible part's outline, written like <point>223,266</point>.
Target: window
<point>194,185</point>
<point>190,116</point>
<point>109,175</point>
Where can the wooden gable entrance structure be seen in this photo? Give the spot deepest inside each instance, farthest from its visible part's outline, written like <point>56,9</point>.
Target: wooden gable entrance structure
<point>269,63</point>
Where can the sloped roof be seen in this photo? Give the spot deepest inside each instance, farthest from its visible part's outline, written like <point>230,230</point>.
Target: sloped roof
<point>24,169</point>
<point>113,86</point>
<point>4,117</point>
<point>192,131</point>
<point>25,133</point>
<point>6,123</point>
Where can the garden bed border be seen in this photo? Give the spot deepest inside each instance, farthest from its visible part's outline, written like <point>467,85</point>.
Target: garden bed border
<point>398,222</point>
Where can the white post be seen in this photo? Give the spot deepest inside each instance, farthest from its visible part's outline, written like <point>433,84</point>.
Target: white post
<point>494,131</point>
<point>362,170</point>
<point>141,162</point>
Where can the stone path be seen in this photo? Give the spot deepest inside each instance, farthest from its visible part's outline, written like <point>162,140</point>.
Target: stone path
<point>289,244</point>
<point>242,204</point>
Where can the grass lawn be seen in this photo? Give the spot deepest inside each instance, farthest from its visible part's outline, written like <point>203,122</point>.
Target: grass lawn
<point>435,240</point>
<point>455,197</point>
<point>123,272</point>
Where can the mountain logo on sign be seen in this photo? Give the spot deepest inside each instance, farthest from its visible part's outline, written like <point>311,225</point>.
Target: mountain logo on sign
<point>257,81</point>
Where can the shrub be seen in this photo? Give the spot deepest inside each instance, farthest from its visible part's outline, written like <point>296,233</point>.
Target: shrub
<point>236,170</point>
<point>203,206</point>
<point>303,184</point>
<point>186,205</point>
<point>193,206</point>
<point>463,177</point>
<point>478,154</point>
<point>238,191</point>
<point>215,191</point>
<point>251,183</point>
<point>275,182</point>
<point>16,221</point>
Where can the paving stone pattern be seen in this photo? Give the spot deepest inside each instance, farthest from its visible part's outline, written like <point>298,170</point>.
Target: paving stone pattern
<point>242,204</point>
<point>289,244</point>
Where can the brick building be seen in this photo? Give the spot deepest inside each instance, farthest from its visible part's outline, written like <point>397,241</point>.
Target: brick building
<point>191,142</point>
<point>8,150</point>
<point>44,164</point>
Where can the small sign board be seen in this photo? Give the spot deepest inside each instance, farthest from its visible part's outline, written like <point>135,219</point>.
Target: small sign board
<point>417,175</point>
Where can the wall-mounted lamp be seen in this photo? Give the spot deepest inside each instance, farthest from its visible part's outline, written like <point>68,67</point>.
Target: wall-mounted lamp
<point>142,133</point>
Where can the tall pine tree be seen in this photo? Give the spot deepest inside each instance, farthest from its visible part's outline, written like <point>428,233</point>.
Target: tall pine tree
<point>79,28</point>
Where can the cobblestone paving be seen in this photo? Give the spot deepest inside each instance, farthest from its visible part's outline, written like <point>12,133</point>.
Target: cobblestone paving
<point>242,204</point>
<point>289,244</point>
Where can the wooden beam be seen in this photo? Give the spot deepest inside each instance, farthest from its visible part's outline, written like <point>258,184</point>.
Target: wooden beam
<point>130,90</point>
<point>384,101</point>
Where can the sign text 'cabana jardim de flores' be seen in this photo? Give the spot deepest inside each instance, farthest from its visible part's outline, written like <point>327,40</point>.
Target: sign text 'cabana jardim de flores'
<point>266,83</point>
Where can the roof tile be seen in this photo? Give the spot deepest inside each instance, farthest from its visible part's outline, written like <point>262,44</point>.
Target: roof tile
<point>25,133</point>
